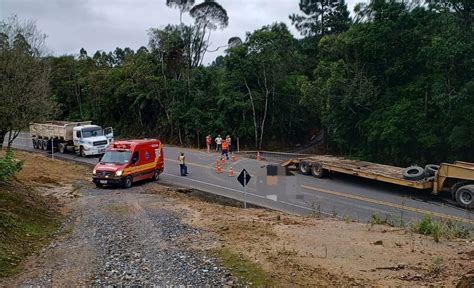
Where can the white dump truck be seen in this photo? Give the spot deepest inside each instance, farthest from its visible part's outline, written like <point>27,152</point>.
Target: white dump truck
<point>82,138</point>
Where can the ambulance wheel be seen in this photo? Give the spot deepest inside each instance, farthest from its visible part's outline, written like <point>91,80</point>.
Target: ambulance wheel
<point>156,176</point>
<point>127,182</point>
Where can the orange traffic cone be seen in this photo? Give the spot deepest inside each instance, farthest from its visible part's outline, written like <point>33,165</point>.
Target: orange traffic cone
<point>258,156</point>
<point>218,168</point>
<point>231,172</point>
<point>218,161</point>
<point>233,157</point>
<point>223,161</point>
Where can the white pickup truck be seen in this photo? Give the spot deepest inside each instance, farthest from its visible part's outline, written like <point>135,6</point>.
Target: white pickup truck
<point>82,138</point>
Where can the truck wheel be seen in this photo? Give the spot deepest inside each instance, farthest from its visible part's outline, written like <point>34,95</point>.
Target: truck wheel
<point>317,170</point>
<point>414,173</point>
<point>465,196</point>
<point>62,148</point>
<point>156,176</point>
<point>127,182</point>
<point>81,152</point>
<point>98,185</point>
<point>431,169</point>
<point>305,168</point>
<point>44,145</point>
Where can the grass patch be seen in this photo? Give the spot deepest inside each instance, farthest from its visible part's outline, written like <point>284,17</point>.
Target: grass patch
<point>438,229</point>
<point>377,220</point>
<point>27,221</point>
<point>245,270</point>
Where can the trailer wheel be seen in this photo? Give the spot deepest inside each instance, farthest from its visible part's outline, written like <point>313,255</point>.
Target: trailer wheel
<point>431,169</point>
<point>414,173</point>
<point>465,196</point>
<point>317,170</point>
<point>127,182</point>
<point>305,168</point>
<point>156,176</point>
<point>35,145</point>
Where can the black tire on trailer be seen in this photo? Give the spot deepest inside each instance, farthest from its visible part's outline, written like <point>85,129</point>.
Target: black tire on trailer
<point>317,170</point>
<point>156,175</point>
<point>414,173</point>
<point>465,196</point>
<point>304,167</point>
<point>35,144</point>
<point>127,182</point>
<point>431,169</point>
<point>39,144</point>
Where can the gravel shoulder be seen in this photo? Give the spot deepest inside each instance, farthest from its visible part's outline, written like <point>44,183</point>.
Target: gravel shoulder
<point>124,237</point>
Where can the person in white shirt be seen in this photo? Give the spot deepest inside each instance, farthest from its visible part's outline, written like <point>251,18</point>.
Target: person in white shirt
<point>218,143</point>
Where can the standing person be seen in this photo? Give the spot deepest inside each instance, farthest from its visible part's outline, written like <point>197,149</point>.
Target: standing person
<point>208,143</point>
<point>218,143</point>
<point>229,141</point>
<point>182,165</point>
<point>225,149</point>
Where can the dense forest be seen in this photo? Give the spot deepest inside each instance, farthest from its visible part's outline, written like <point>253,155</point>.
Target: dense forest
<point>391,82</point>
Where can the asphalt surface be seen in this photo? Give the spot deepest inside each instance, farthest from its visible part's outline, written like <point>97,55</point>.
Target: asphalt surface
<point>338,195</point>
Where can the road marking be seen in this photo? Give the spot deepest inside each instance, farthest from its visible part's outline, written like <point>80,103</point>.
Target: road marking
<point>384,203</point>
<point>360,198</point>
<point>252,194</point>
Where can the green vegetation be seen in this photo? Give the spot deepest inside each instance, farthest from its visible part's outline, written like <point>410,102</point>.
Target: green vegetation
<point>244,269</point>
<point>8,167</point>
<point>437,265</point>
<point>393,84</point>
<point>377,220</point>
<point>437,229</point>
<point>26,223</point>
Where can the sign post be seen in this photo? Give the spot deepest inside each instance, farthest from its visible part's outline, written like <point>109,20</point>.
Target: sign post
<point>244,178</point>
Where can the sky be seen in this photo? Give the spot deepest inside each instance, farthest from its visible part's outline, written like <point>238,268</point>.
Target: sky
<point>107,24</point>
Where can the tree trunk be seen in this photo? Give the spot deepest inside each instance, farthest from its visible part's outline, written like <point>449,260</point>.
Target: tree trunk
<point>267,93</point>
<point>254,114</point>
<point>2,138</point>
<point>11,137</point>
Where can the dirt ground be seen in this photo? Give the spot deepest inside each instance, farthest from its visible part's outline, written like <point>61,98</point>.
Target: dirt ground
<point>325,252</point>
<point>291,250</point>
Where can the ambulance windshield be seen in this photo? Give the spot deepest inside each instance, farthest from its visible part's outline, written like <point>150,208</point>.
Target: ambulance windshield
<point>119,157</point>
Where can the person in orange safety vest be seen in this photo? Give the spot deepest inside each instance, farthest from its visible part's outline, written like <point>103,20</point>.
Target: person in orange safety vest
<point>225,149</point>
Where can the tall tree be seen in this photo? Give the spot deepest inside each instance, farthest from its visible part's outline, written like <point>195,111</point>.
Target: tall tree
<point>321,17</point>
<point>208,16</point>
<point>182,5</point>
<point>24,93</point>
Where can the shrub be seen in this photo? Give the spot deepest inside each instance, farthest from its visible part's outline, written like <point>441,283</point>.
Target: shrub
<point>9,167</point>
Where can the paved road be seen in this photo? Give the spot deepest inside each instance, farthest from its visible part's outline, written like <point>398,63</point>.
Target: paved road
<point>339,195</point>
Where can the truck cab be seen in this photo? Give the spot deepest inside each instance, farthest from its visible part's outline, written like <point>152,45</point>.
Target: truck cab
<point>126,162</point>
<point>91,139</point>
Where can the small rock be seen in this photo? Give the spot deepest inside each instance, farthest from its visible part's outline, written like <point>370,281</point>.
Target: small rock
<point>378,242</point>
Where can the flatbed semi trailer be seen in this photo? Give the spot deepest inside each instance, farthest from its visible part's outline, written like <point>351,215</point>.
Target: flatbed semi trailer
<point>457,178</point>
